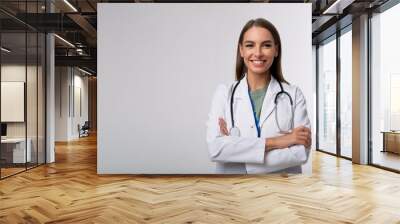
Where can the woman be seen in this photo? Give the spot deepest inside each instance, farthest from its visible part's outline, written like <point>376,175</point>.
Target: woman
<point>247,132</point>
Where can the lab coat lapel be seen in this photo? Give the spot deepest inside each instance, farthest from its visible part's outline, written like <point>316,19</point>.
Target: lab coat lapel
<point>268,103</point>
<point>243,91</point>
<point>242,94</point>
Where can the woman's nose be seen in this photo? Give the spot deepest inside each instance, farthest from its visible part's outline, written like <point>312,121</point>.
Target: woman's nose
<point>257,51</point>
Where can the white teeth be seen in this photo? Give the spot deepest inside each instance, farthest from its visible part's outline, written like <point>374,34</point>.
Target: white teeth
<point>258,62</point>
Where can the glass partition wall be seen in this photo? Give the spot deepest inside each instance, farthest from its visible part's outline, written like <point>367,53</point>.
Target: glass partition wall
<point>22,88</point>
<point>345,62</point>
<point>334,80</point>
<point>13,89</point>
<point>385,89</point>
<point>327,95</point>
<point>335,87</point>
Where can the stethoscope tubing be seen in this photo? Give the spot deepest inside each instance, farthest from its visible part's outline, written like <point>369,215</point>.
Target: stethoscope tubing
<point>233,93</point>
<point>275,101</point>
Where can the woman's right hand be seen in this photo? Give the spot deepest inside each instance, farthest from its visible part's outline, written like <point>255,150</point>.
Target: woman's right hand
<point>299,136</point>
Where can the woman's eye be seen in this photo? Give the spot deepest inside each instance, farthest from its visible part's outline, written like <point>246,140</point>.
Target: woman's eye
<point>267,45</point>
<point>248,45</point>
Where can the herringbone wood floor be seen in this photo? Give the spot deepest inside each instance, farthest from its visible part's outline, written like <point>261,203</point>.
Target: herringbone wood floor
<point>70,191</point>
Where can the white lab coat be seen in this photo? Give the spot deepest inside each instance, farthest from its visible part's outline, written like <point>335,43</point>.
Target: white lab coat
<point>246,154</point>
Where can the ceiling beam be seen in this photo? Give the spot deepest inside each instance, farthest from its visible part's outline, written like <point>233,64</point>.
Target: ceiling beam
<point>83,61</point>
<point>85,25</point>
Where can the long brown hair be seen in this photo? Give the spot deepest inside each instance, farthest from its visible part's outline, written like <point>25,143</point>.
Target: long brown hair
<point>276,68</point>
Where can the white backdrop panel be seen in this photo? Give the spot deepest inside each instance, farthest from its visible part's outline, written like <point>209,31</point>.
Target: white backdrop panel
<point>158,67</point>
<point>12,101</point>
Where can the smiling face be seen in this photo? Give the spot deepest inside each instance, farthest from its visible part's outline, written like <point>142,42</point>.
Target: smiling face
<point>258,50</point>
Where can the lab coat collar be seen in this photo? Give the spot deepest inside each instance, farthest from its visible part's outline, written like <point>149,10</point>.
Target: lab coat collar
<point>268,103</point>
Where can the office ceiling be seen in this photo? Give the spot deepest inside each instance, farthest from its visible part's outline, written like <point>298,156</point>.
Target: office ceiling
<point>76,22</point>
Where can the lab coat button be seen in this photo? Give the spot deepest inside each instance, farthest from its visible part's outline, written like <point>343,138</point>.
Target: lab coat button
<point>252,126</point>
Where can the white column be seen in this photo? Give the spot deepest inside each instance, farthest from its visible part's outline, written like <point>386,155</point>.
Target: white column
<point>50,92</point>
<point>360,90</point>
<point>50,100</point>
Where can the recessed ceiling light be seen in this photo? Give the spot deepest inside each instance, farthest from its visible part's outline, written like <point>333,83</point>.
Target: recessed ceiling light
<point>337,7</point>
<point>64,40</point>
<point>5,50</point>
<point>84,71</point>
<point>70,5</point>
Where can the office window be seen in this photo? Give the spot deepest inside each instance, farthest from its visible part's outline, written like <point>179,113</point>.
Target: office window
<point>346,93</point>
<point>327,96</point>
<point>385,87</point>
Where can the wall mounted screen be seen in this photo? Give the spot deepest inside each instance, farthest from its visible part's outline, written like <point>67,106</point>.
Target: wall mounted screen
<point>159,66</point>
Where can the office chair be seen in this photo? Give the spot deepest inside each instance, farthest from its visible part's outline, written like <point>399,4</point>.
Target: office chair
<point>84,130</point>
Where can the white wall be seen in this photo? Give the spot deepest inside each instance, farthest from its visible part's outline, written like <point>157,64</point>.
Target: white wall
<point>11,73</point>
<point>61,103</point>
<point>18,73</point>
<point>79,115</point>
<point>68,81</point>
<point>157,74</point>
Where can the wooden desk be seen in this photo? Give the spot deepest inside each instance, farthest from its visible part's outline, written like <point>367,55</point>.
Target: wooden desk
<point>391,141</point>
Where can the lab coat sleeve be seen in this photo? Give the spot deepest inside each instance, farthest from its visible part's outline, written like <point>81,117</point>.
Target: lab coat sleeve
<point>230,148</point>
<point>296,154</point>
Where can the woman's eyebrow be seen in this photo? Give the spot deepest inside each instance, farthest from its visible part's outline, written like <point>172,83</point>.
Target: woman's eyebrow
<point>248,41</point>
<point>266,41</point>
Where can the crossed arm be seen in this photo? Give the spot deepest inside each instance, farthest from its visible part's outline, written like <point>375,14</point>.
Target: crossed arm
<point>274,152</point>
<point>298,136</point>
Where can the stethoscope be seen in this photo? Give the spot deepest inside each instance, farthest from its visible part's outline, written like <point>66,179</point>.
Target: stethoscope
<point>234,131</point>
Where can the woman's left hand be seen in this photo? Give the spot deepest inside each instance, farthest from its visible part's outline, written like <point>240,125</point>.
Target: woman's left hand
<point>223,127</point>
